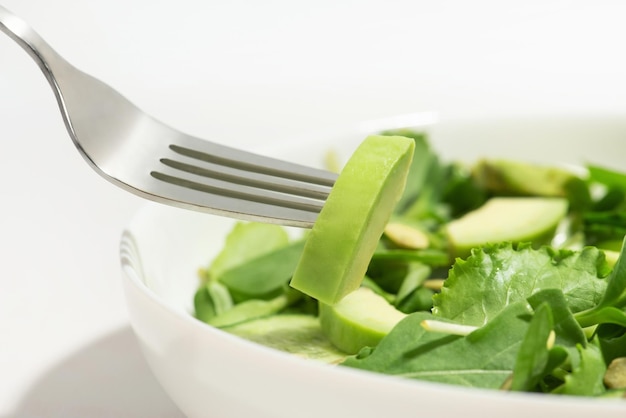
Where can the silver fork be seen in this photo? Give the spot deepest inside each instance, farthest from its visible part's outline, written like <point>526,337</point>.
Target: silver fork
<point>144,156</point>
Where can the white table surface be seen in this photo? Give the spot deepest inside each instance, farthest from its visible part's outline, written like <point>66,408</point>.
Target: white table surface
<point>245,73</point>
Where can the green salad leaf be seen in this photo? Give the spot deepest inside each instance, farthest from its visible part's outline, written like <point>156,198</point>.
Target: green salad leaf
<point>211,299</point>
<point>608,177</point>
<point>246,241</point>
<point>478,288</point>
<point>265,276</point>
<point>519,317</point>
<point>567,331</point>
<point>249,310</point>
<point>537,356</point>
<point>612,341</point>
<point>423,164</point>
<point>586,378</point>
<point>485,358</point>
<point>612,307</point>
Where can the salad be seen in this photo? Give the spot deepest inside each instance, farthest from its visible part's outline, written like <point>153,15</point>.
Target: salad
<point>497,274</point>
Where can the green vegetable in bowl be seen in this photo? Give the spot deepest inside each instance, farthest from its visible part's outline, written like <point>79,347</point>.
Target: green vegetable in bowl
<point>361,319</point>
<point>514,219</point>
<point>499,274</point>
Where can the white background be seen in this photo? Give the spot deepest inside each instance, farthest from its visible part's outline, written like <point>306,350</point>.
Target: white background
<point>246,73</point>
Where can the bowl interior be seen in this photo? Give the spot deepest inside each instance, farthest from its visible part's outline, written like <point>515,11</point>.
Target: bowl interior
<point>164,247</point>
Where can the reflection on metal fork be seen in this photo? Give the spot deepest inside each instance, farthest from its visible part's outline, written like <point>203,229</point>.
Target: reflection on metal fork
<point>146,157</point>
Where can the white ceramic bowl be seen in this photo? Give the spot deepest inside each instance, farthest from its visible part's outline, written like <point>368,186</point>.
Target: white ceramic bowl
<point>209,373</point>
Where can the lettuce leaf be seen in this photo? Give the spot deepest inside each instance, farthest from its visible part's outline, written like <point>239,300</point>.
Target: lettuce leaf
<point>492,277</point>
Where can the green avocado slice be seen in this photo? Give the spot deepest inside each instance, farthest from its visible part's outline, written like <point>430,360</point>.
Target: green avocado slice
<point>341,243</point>
<point>507,177</point>
<point>361,319</point>
<point>515,219</point>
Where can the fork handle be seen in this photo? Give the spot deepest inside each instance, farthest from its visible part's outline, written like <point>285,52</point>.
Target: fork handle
<point>48,59</point>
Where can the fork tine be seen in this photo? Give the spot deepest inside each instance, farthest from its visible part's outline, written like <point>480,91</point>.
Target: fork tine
<point>238,191</point>
<point>221,154</point>
<point>247,178</point>
<point>241,184</point>
<point>233,200</point>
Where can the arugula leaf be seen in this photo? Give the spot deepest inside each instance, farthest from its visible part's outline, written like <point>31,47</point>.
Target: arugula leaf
<point>412,296</point>
<point>536,358</point>
<point>586,378</point>
<point>432,257</point>
<point>484,358</point>
<point>389,268</point>
<point>417,274</point>
<point>568,332</point>
<point>492,277</point>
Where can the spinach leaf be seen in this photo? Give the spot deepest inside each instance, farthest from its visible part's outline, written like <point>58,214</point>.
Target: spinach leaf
<point>211,299</point>
<point>251,309</point>
<point>265,276</point>
<point>484,358</point>
<point>245,242</point>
